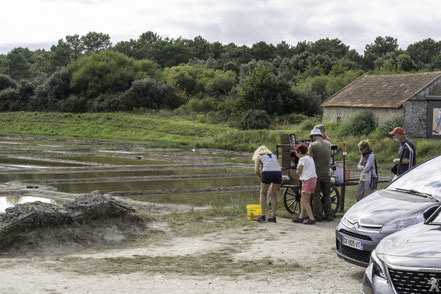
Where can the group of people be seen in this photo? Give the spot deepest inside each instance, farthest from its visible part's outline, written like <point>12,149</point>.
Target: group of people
<point>314,172</point>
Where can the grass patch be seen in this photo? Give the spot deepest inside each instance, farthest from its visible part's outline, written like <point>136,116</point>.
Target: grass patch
<point>199,222</point>
<point>219,263</point>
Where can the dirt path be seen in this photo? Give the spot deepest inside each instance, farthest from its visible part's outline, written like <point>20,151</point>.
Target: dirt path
<point>309,246</point>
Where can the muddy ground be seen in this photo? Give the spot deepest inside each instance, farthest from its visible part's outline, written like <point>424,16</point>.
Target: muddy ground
<point>277,258</point>
<point>320,271</point>
<point>291,258</point>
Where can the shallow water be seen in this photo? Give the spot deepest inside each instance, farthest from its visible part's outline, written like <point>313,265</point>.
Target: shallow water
<point>34,176</point>
<point>88,169</point>
<point>20,162</point>
<point>166,184</point>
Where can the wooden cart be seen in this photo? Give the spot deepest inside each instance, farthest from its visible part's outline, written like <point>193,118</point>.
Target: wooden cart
<point>291,185</point>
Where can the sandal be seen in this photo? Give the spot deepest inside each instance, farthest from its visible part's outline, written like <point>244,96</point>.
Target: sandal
<point>261,218</point>
<point>272,219</point>
<point>309,222</point>
<point>297,220</point>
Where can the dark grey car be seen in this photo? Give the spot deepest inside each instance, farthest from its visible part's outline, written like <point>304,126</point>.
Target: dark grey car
<point>399,205</point>
<point>408,261</point>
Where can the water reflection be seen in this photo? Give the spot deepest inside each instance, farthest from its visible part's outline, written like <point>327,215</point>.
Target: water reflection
<point>20,162</point>
<point>10,201</point>
<point>180,184</point>
<point>23,176</point>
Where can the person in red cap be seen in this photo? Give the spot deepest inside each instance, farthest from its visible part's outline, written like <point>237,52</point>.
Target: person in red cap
<point>406,154</point>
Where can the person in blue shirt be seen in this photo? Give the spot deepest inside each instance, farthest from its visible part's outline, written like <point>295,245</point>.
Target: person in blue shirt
<point>406,154</point>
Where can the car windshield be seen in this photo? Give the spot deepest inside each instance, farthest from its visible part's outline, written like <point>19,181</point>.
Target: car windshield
<point>423,180</point>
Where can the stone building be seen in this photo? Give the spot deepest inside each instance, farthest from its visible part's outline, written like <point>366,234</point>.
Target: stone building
<point>414,97</point>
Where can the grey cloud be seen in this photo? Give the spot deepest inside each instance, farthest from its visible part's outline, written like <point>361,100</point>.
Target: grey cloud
<point>6,48</point>
<point>80,1</point>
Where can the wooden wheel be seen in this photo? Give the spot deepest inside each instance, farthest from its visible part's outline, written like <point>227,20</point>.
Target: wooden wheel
<point>291,199</point>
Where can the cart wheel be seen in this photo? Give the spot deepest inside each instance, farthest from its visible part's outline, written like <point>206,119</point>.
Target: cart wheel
<point>291,199</point>
<point>335,198</point>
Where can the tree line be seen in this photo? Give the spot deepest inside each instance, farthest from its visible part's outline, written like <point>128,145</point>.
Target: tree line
<point>247,86</point>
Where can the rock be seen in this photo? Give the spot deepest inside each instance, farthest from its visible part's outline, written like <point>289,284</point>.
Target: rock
<point>95,205</point>
<point>30,216</point>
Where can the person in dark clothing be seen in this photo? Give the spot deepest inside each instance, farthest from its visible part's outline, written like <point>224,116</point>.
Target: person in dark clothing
<point>320,151</point>
<point>406,153</point>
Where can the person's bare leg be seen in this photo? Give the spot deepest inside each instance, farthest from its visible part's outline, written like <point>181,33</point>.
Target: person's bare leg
<point>307,205</point>
<point>274,191</point>
<point>302,208</point>
<point>263,192</point>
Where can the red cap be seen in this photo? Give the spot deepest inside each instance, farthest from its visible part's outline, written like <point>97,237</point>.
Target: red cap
<point>398,131</point>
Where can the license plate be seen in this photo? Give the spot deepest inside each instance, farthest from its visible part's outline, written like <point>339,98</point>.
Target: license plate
<point>354,243</point>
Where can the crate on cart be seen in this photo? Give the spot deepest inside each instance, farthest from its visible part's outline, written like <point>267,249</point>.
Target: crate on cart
<point>288,158</point>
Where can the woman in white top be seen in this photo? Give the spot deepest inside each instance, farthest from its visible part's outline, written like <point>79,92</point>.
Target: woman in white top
<point>367,168</point>
<point>308,176</point>
<point>268,169</point>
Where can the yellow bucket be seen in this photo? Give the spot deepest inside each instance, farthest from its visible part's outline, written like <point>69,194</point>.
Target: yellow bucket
<point>253,211</point>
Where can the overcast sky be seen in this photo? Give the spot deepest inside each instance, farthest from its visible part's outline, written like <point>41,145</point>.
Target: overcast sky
<point>38,24</point>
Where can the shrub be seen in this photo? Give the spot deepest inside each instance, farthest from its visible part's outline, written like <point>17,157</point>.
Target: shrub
<point>252,120</point>
<point>105,72</point>
<point>8,99</point>
<point>201,118</point>
<point>205,104</point>
<point>73,104</point>
<point>310,123</point>
<point>104,103</point>
<point>151,94</point>
<point>384,129</point>
<point>6,82</point>
<point>57,85</point>
<point>361,124</point>
<point>293,118</point>
<point>260,90</point>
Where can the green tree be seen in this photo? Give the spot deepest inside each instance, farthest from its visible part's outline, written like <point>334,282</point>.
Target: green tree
<point>61,54</point>
<point>76,46</point>
<point>379,49</point>
<point>18,63</point>
<point>94,42</point>
<point>263,51</point>
<point>405,63</point>
<point>232,52</point>
<point>6,82</point>
<point>199,48</point>
<point>330,47</point>
<point>216,50</point>
<point>220,84</point>
<point>284,50</point>
<point>424,52</point>
<point>105,72</point>
<point>259,90</point>
<point>151,94</point>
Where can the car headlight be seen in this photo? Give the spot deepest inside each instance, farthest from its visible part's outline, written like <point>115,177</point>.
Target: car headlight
<point>399,224</point>
<point>378,266</point>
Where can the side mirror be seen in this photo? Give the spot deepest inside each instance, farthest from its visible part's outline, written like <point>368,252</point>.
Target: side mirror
<point>429,211</point>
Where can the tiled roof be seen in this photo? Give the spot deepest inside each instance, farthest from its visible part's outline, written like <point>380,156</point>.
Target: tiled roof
<point>381,91</point>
